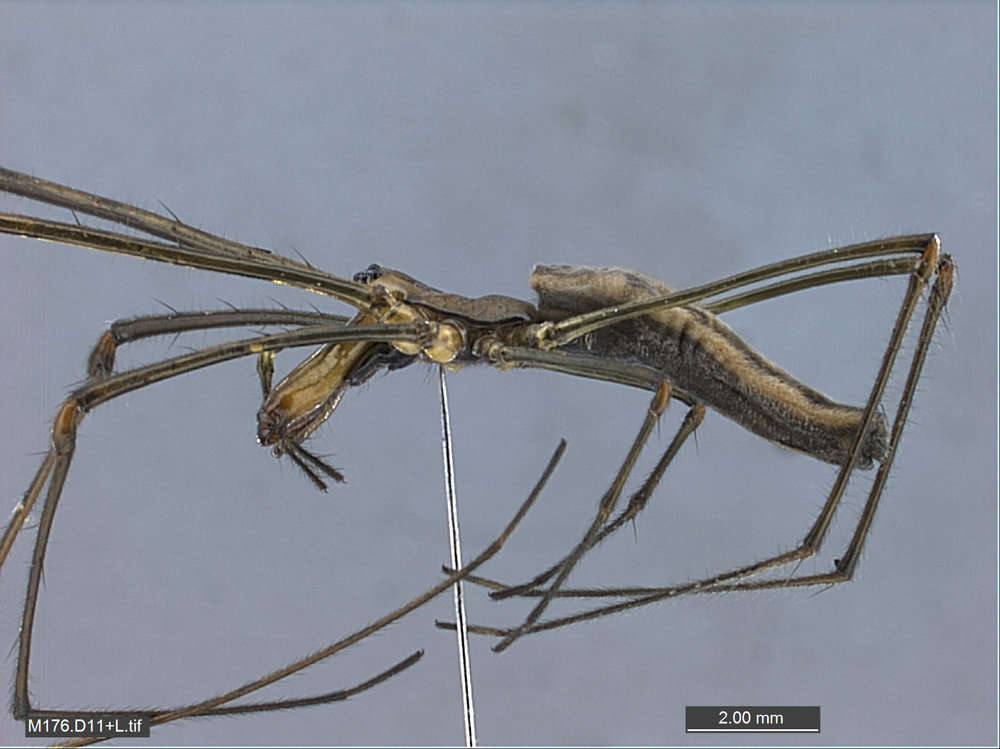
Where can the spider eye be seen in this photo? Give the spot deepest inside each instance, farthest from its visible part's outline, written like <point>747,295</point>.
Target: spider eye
<point>372,273</point>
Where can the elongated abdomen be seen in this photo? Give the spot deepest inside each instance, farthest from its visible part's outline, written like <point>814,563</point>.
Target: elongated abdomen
<point>699,353</point>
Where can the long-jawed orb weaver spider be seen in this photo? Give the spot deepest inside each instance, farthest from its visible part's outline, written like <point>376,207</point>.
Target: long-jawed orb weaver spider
<point>596,323</point>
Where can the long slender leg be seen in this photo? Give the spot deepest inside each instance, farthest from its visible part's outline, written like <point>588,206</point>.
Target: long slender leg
<point>206,707</point>
<point>200,249</point>
<point>549,335</point>
<point>194,248</point>
<point>56,464</point>
<point>607,505</point>
<point>101,387</point>
<point>844,567</point>
<point>101,361</point>
<point>289,704</point>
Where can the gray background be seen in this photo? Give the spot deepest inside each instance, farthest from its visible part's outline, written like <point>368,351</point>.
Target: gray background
<point>463,144</point>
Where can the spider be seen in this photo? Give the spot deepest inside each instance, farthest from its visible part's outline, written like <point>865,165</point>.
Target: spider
<point>608,324</point>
